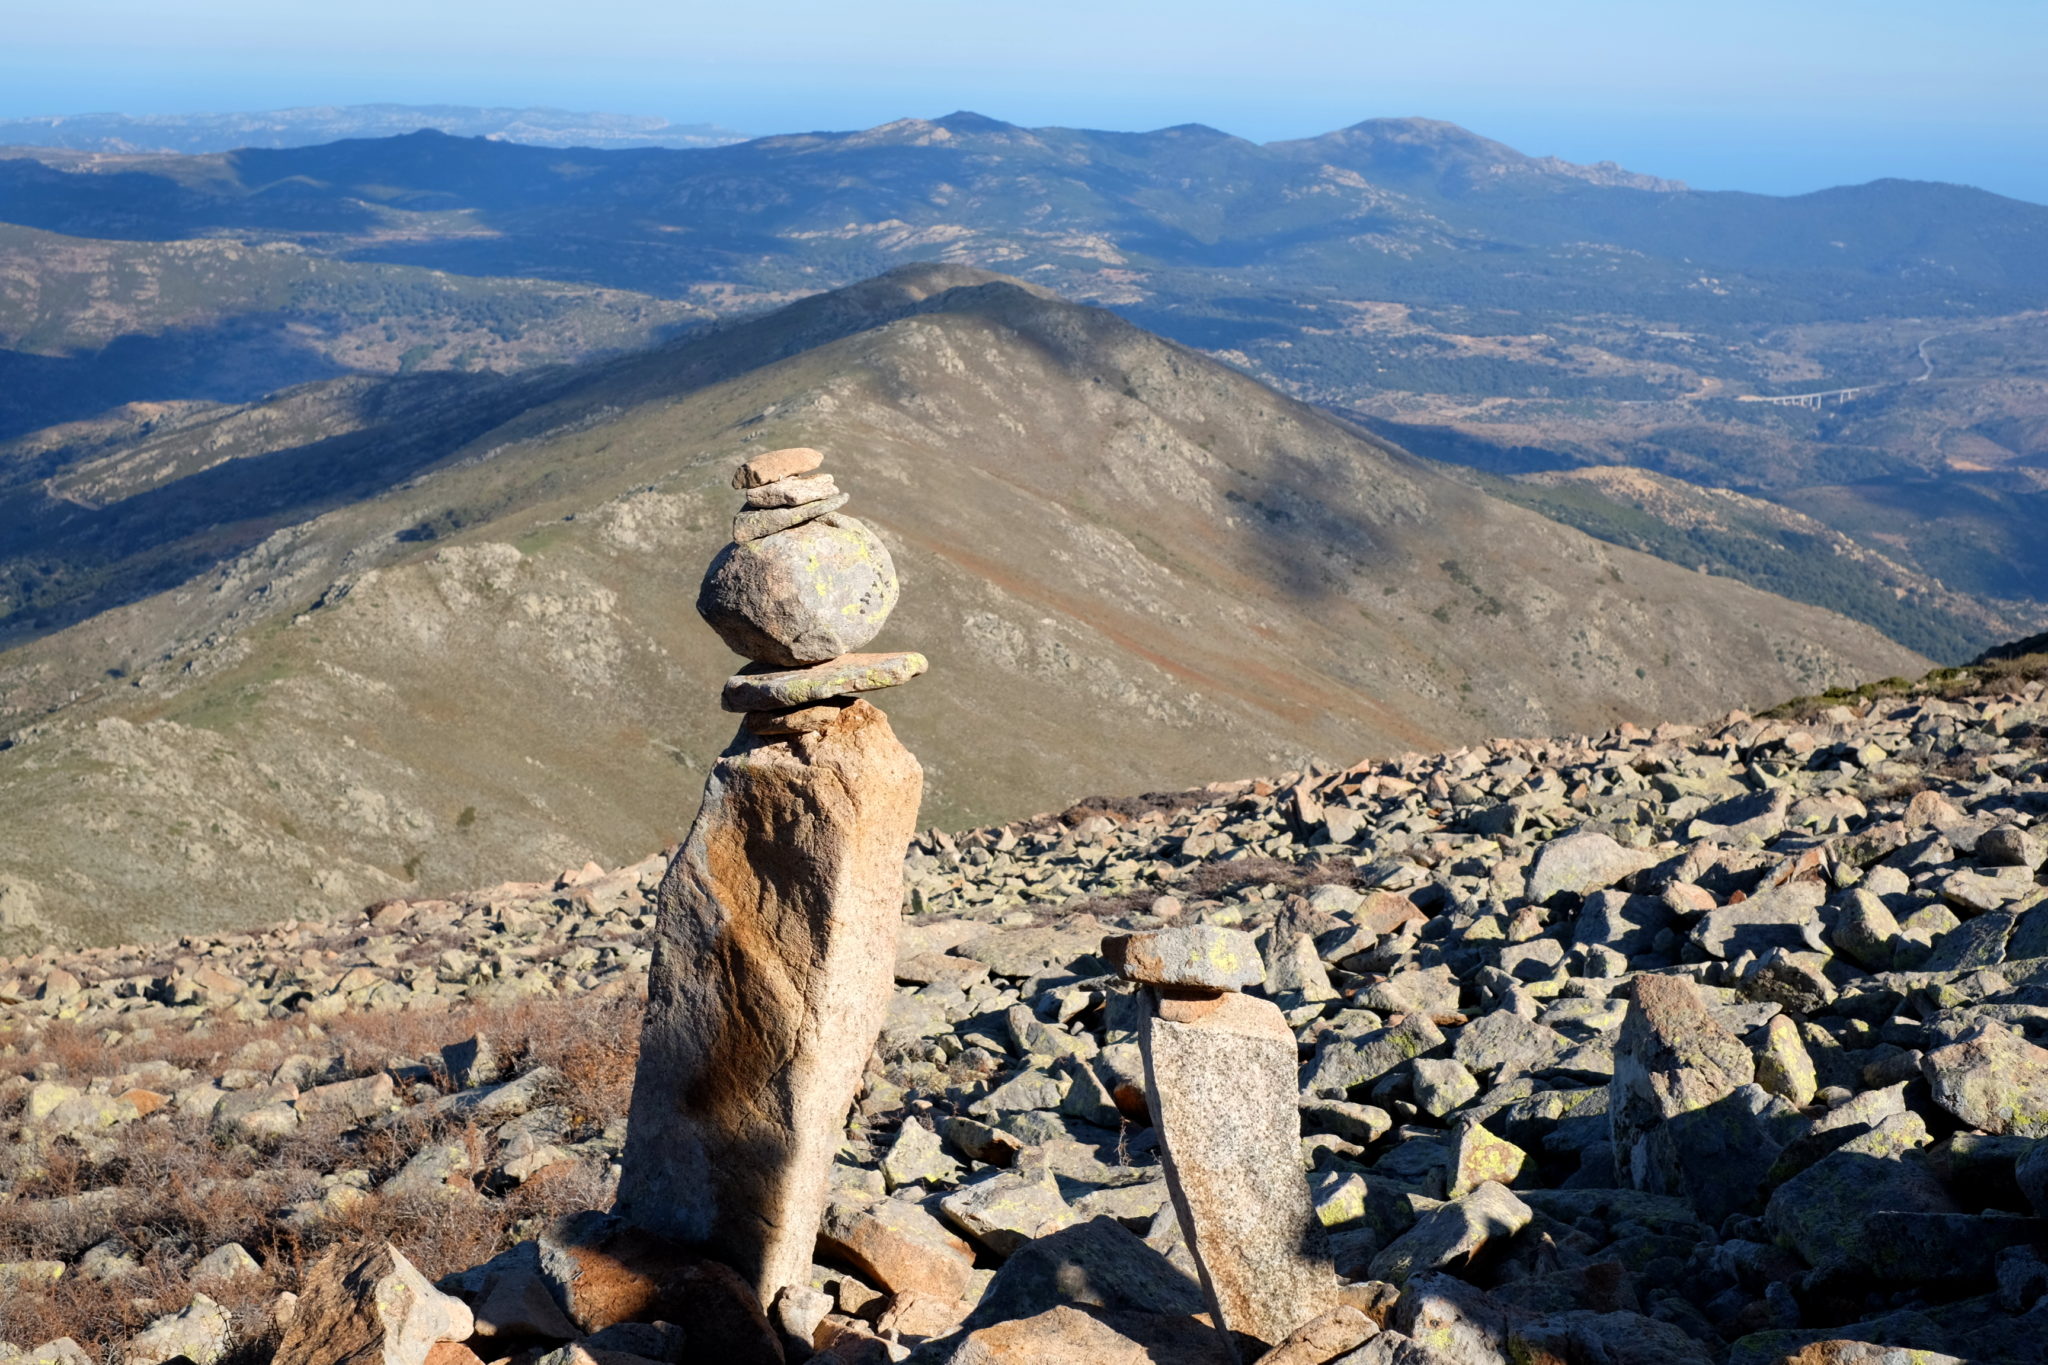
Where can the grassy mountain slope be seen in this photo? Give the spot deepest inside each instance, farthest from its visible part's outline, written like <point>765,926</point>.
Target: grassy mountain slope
<point>1132,567</point>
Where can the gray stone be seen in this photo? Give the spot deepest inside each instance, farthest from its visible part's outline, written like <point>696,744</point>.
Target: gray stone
<point>1671,1059</point>
<point>2031,1172</point>
<point>372,1305</point>
<point>1098,1264</point>
<point>199,1332</point>
<point>1505,1043</point>
<point>1582,864</point>
<point>792,492</point>
<point>1627,924</point>
<point>1199,956</point>
<point>224,1263</point>
<point>472,1062</point>
<point>769,521</point>
<point>1004,1211</point>
<point>1758,816</point>
<point>1992,1079</point>
<point>2009,846</point>
<point>1295,971</point>
<point>803,595</point>
<point>842,677</point>
<point>1452,1233</point>
<point>1443,1086</point>
<point>1824,1212</point>
<point>435,1170</point>
<point>1783,917</point>
<point>774,952</point>
<point>917,1158</point>
<point>1222,1090</point>
<point>1342,1063</point>
<point>1363,1124</point>
<point>1865,930</point>
<point>895,1244</point>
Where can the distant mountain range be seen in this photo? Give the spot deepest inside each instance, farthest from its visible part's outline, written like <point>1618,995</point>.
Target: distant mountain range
<point>330,123</point>
<point>1518,314</point>
<point>405,635</point>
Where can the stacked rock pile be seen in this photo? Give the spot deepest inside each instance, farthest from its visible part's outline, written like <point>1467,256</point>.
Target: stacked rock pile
<point>1700,1045</point>
<point>799,589</point>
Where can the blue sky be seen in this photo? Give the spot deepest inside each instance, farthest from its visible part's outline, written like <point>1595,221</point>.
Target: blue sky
<point>1780,97</point>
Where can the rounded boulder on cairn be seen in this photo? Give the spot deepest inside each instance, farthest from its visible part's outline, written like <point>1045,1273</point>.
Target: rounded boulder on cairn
<point>806,587</point>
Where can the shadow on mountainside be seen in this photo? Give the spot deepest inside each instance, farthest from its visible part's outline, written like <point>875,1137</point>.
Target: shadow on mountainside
<point>141,206</point>
<point>62,561</point>
<point>234,361</point>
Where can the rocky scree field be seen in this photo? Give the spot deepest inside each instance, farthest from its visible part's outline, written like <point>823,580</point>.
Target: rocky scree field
<point>1679,1044</point>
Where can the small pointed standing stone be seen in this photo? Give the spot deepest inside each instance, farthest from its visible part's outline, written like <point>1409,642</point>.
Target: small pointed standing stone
<point>775,943</point>
<point>1220,1080</point>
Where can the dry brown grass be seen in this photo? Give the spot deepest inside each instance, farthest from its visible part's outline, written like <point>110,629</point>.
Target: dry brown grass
<point>186,1190</point>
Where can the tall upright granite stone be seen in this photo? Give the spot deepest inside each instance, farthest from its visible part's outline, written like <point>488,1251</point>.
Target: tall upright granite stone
<point>775,941</point>
<point>1220,1079</point>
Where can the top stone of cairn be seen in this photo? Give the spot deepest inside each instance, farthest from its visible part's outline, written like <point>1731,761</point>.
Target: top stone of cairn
<point>776,465</point>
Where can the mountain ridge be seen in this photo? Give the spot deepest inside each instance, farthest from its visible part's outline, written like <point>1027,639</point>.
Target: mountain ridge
<point>1163,545</point>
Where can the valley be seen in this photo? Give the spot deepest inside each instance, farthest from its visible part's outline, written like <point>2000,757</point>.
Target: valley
<point>1510,313</point>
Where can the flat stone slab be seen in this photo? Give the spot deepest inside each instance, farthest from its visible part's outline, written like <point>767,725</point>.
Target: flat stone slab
<point>1203,956</point>
<point>845,676</point>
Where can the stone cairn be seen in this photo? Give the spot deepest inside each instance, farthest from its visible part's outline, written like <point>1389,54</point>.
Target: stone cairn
<point>775,937</point>
<point>1220,1080</point>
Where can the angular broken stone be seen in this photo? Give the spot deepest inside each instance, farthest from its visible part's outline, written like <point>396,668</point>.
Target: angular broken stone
<point>846,676</point>
<point>1069,1336</point>
<point>1670,1059</point>
<point>198,1333</point>
<point>802,594</point>
<point>1783,1065</point>
<point>1323,1338</point>
<point>604,1272</point>
<point>1825,1211</point>
<point>1342,1063</point>
<point>1581,864</point>
<point>899,1246</point>
<point>1478,1157</point>
<point>1006,1210</point>
<point>774,951</point>
<point>1223,1098</point>
<point>1992,1079</point>
<point>1198,956</point>
<point>369,1307</point>
<point>1452,1234</point>
<point>1099,1264</point>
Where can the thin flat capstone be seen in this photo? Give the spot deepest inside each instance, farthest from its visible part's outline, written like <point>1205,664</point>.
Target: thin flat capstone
<point>841,677</point>
<point>776,464</point>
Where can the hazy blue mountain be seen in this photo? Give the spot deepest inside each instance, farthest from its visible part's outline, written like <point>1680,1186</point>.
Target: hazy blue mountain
<point>328,123</point>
